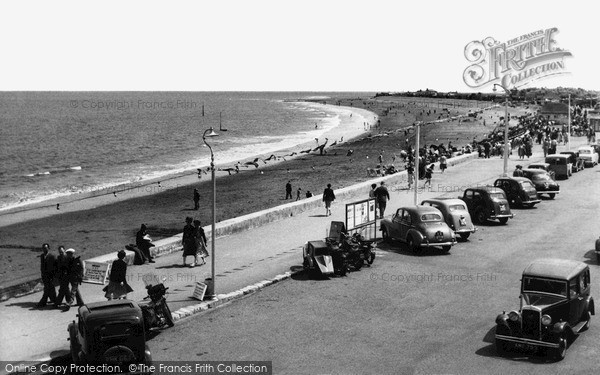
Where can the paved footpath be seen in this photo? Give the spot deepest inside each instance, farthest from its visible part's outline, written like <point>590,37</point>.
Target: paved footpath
<point>242,259</point>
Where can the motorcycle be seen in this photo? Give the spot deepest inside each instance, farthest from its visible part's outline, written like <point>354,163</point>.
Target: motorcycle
<point>156,312</point>
<point>359,251</point>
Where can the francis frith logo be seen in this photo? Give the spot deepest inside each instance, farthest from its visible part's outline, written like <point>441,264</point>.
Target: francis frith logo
<point>516,62</point>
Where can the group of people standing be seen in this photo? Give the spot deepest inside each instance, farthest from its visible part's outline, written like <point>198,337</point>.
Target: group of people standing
<point>67,270</point>
<point>194,242</point>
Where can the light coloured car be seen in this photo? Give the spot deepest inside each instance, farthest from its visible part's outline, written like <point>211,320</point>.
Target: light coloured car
<point>455,214</point>
<point>588,155</point>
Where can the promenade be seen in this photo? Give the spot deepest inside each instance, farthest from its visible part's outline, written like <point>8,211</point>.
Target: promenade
<point>253,257</point>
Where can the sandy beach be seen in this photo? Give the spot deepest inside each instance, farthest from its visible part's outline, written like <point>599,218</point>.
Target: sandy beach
<point>98,225</point>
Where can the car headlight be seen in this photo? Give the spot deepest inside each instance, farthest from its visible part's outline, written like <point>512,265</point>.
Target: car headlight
<point>513,316</point>
<point>546,319</point>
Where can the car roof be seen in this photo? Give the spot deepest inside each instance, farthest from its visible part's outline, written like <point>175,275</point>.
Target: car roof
<point>421,209</point>
<point>110,310</point>
<point>534,171</point>
<point>560,156</point>
<point>563,269</point>
<point>515,178</point>
<point>445,201</point>
<point>489,189</point>
<point>540,164</point>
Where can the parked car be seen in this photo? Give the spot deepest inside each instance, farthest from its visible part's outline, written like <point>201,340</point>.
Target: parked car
<point>543,182</point>
<point>543,166</point>
<point>455,213</point>
<point>576,162</point>
<point>588,155</point>
<point>519,191</point>
<point>487,202</point>
<point>560,165</point>
<point>556,305</point>
<point>597,248</point>
<point>110,332</point>
<point>419,226</point>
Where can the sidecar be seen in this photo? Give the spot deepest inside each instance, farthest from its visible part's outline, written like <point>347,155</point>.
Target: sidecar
<point>317,258</point>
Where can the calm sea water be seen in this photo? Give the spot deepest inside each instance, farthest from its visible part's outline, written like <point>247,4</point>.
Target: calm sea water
<point>61,143</point>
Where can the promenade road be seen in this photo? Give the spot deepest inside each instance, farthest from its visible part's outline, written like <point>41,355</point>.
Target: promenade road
<point>242,259</point>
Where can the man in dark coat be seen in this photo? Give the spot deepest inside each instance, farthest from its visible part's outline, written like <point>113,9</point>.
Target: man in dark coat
<point>48,270</point>
<point>328,197</point>
<point>288,190</point>
<point>143,244</point>
<point>75,275</point>
<point>196,199</point>
<point>62,274</point>
<point>381,196</point>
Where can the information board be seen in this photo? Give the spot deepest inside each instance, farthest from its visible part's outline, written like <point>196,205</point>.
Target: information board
<point>361,217</point>
<point>96,272</point>
<point>199,291</point>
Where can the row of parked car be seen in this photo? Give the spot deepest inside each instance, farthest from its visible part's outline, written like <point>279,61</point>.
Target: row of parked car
<point>437,222</point>
<point>555,301</point>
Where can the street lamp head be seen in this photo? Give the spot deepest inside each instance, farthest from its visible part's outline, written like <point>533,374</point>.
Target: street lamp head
<point>211,134</point>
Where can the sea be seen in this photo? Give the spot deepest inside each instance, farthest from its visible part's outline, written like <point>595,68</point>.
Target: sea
<point>56,144</point>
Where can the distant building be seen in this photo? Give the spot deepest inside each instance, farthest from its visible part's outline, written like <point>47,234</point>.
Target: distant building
<point>555,112</point>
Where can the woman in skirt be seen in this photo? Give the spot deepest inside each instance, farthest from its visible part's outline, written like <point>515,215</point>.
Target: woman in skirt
<point>200,242</point>
<point>117,287</point>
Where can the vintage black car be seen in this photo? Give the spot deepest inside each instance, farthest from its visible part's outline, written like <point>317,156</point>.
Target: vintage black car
<point>543,166</point>
<point>543,182</point>
<point>576,161</point>
<point>519,191</point>
<point>556,305</point>
<point>419,226</point>
<point>487,202</point>
<point>109,332</point>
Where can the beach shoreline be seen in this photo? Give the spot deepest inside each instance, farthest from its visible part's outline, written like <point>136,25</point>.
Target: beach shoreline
<point>350,127</point>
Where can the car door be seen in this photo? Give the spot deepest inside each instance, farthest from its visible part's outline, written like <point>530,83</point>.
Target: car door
<point>576,300</point>
<point>405,224</point>
<point>468,199</point>
<point>394,230</point>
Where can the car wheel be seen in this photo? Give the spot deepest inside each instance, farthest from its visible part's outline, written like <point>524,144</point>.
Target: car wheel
<point>412,245</point>
<point>561,351</point>
<point>465,235</point>
<point>446,248</point>
<point>502,347</point>
<point>503,220</point>
<point>552,195</point>
<point>385,235</point>
<point>480,216</point>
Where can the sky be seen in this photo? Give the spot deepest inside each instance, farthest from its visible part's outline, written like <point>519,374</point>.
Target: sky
<point>264,45</point>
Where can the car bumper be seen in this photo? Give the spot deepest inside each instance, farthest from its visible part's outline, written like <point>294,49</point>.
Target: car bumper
<point>466,230</point>
<point>499,216</point>
<point>521,340</point>
<point>532,201</point>
<point>432,244</point>
<point>549,191</point>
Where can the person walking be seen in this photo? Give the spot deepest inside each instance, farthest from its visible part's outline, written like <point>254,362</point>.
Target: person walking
<point>62,273</point>
<point>410,171</point>
<point>196,199</point>
<point>75,275</point>
<point>382,196</point>
<point>328,197</point>
<point>298,192</point>
<point>118,287</point>
<point>443,163</point>
<point>47,269</point>
<point>372,191</point>
<point>143,244</point>
<point>288,190</point>
<point>189,241</point>
<point>518,172</point>
<point>201,242</point>
<point>428,175</point>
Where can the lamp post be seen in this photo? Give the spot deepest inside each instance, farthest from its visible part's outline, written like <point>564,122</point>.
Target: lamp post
<point>211,133</point>
<point>506,94</point>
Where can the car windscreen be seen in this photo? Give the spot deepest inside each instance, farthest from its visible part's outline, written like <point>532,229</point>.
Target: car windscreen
<point>585,152</point>
<point>540,177</point>
<point>527,185</point>
<point>538,285</point>
<point>431,217</point>
<point>497,196</point>
<point>457,207</point>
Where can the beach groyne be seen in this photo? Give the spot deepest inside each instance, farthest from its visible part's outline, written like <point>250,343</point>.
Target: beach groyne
<point>241,223</point>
